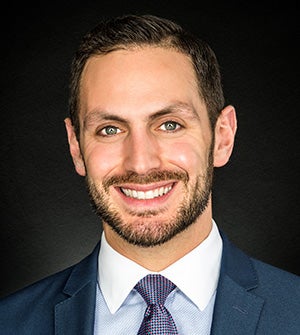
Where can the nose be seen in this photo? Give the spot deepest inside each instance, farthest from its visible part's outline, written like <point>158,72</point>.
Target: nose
<point>142,153</point>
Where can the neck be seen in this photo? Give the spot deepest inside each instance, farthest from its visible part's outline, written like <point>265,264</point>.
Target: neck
<point>159,257</point>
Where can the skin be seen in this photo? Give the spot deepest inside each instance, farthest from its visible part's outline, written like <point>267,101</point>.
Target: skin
<point>141,113</point>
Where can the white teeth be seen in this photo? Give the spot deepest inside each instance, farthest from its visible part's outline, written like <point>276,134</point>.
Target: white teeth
<point>158,192</point>
<point>140,195</point>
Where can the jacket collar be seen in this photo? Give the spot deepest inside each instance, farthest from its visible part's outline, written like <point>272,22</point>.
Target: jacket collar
<point>75,315</point>
<point>237,309</point>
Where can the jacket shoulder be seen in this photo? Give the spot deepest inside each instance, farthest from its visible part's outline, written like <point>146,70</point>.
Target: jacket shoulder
<point>281,293</point>
<point>31,310</point>
<point>20,312</point>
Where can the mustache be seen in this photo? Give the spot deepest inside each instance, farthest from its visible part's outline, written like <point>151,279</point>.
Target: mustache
<point>152,177</point>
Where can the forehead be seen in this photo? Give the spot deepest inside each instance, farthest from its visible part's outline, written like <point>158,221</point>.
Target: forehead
<point>137,79</point>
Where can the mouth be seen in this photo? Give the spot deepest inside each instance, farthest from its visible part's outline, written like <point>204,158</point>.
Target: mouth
<point>146,194</point>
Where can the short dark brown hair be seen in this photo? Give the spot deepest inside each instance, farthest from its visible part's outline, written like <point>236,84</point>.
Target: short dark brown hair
<point>129,31</point>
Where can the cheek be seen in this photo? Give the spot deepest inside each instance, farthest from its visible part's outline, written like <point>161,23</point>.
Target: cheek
<point>188,157</point>
<point>101,160</point>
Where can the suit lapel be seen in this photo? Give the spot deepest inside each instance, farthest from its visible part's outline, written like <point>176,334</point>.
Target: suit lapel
<point>75,314</point>
<point>237,309</point>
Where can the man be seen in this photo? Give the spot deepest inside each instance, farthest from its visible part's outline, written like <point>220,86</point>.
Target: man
<point>147,126</point>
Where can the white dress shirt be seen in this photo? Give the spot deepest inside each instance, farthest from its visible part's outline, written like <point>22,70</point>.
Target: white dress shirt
<point>120,309</point>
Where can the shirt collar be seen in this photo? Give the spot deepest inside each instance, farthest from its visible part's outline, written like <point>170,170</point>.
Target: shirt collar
<point>196,274</point>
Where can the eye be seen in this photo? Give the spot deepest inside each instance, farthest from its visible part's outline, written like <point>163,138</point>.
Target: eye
<point>109,131</point>
<point>170,126</point>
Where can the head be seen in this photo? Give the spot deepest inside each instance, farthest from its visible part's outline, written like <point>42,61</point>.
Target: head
<point>147,126</point>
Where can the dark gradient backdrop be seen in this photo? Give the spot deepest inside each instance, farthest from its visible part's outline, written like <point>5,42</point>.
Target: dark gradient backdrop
<point>46,220</point>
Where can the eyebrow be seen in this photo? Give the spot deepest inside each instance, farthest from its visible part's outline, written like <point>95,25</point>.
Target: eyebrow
<point>178,107</point>
<point>99,115</point>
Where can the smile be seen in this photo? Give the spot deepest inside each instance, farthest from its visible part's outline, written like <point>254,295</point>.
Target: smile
<point>151,194</point>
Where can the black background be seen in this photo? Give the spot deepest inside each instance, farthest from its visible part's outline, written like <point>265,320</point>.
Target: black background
<point>46,220</point>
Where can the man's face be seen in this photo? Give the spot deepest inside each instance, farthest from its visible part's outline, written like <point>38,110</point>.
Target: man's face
<point>145,142</point>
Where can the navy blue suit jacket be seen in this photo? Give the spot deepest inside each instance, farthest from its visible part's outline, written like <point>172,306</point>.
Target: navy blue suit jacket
<point>252,298</point>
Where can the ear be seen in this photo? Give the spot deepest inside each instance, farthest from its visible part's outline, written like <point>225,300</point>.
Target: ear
<point>75,148</point>
<point>225,130</point>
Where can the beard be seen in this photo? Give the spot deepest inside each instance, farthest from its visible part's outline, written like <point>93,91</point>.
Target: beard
<point>146,228</point>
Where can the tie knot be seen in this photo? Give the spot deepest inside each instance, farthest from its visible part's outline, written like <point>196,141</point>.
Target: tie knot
<point>154,289</point>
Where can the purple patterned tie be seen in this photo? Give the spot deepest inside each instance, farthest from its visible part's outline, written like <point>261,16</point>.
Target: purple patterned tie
<point>157,319</point>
